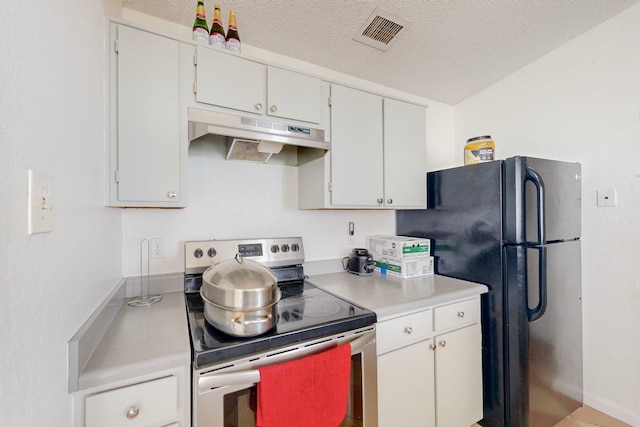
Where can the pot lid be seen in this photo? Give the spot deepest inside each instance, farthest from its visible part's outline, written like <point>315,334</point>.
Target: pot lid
<point>240,274</point>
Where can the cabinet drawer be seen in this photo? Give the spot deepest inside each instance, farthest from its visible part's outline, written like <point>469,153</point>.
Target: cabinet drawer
<point>403,331</point>
<point>458,314</point>
<point>147,403</point>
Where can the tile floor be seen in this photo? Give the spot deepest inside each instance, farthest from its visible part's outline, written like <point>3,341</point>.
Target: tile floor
<point>587,417</point>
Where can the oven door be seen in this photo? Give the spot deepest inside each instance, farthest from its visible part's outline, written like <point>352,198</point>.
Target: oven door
<point>226,395</point>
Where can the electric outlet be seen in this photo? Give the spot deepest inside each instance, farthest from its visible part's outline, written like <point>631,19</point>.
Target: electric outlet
<point>157,248</point>
<point>607,198</point>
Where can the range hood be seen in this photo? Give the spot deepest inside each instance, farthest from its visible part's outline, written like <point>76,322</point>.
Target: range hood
<point>259,132</point>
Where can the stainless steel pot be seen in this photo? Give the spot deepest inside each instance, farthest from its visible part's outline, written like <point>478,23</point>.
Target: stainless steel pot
<point>239,322</point>
<point>239,283</point>
<point>240,296</point>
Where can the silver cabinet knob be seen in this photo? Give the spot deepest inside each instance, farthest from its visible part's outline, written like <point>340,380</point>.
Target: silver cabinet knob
<point>273,109</point>
<point>389,201</point>
<point>408,330</point>
<point>442,343</point>
<point>133,413</point>
<point>172,194</point>
<point>258,106</point>
<point>432,347</point>
<point>380,200</point>
<point>461,314</point>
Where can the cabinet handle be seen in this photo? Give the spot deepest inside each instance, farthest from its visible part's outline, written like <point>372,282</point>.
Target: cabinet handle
<point>380,200</point>
<point>172,194</point>
<point>258,106</point>
<point>389,201</point>
<point>408,330</point>
<point>273,108</point>
<point>461,314</point>
<point>442,344</point>
<point>432,347</point>
<point>133,413</point>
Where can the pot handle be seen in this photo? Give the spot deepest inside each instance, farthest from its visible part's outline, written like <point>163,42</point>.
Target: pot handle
<point>262,319</point>
<point>239,258</point>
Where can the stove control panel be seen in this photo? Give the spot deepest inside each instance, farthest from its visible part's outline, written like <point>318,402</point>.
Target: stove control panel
<point>272,252</point>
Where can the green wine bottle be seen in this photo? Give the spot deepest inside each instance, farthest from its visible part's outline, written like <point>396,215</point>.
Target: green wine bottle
<point>200,28</point>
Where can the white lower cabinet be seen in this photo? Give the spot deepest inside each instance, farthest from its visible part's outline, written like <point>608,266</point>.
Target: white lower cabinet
<point>160,399</point>
<point>458,367</point>
<point>430,367</point>
<point>405,386</point>
<point>152,403</point>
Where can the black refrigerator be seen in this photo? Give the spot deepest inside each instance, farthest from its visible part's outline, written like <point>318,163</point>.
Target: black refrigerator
<point>514,225</point>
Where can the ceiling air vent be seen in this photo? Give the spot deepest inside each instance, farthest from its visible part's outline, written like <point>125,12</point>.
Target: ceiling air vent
<point>381,30</point>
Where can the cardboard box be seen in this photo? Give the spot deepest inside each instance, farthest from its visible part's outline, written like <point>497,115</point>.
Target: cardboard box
<point>398,247</point>
<point>406,268</point>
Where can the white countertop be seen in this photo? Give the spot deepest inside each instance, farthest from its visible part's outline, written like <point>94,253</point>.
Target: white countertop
<point>390,296</point>
<point>139,341</point>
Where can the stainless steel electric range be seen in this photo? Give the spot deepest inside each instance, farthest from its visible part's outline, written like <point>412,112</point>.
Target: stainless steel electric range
<point>309,320</point>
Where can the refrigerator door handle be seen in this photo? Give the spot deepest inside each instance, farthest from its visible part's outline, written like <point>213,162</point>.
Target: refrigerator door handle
<point>534,177</point>
<point>538,311</point>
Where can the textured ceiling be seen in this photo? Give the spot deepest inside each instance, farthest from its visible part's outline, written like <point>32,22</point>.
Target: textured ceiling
<point>451,50</point>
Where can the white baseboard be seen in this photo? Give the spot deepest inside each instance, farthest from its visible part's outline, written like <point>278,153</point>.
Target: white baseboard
<point>612,409</point>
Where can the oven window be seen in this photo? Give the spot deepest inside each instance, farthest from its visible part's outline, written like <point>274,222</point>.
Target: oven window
<point>240,408</point>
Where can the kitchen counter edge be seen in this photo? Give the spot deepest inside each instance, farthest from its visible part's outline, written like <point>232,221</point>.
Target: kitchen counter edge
<point>390,296</point>
<point>119,341</point>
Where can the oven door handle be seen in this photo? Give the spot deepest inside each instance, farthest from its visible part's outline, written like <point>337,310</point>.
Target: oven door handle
<point>207,382</point>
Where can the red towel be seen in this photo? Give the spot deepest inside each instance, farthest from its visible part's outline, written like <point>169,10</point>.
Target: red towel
<point>310,392</point>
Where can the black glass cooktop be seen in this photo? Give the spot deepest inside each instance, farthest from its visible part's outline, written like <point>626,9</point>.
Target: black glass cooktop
<point>304,312</point>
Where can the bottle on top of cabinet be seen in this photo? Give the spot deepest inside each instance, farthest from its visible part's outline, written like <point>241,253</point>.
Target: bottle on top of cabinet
<point>200,27</point>
<point>233,38</point>
<point>216,35</point>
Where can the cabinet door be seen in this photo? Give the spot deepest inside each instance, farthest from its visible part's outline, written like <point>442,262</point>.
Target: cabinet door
<point>356,148</point>
<point>405,387</point>
<point>293,95</point>
<point>458,363</point>
<point>229,81</point>
<point>146,404</point>
<point>148,136</point>
<point>405,154</point>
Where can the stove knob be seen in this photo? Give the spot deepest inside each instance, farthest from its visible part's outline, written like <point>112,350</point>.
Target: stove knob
<point>212,252</point>
<point>295,247</point>
<point>275,249</point>
<point>198,253</point>
<point>285,248</point>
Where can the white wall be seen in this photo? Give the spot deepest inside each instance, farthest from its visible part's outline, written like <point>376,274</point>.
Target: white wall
<point>52,121</point>
<point>237,199</point>
<point>582,103</point>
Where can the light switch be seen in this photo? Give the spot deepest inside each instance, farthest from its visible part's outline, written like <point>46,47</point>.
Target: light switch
<point>40,209</point>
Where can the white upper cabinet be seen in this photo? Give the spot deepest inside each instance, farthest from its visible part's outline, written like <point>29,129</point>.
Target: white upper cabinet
<point>405,154</point>
<point>356,148</point>
<point>144,119</point>
<point>232,82</point>
<point>378,155</point>
<point>294,95</point>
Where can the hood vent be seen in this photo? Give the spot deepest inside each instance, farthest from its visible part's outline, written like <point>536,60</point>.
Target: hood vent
<point>251,138</point>
<point>381,29</point>
<point>251,150</point>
